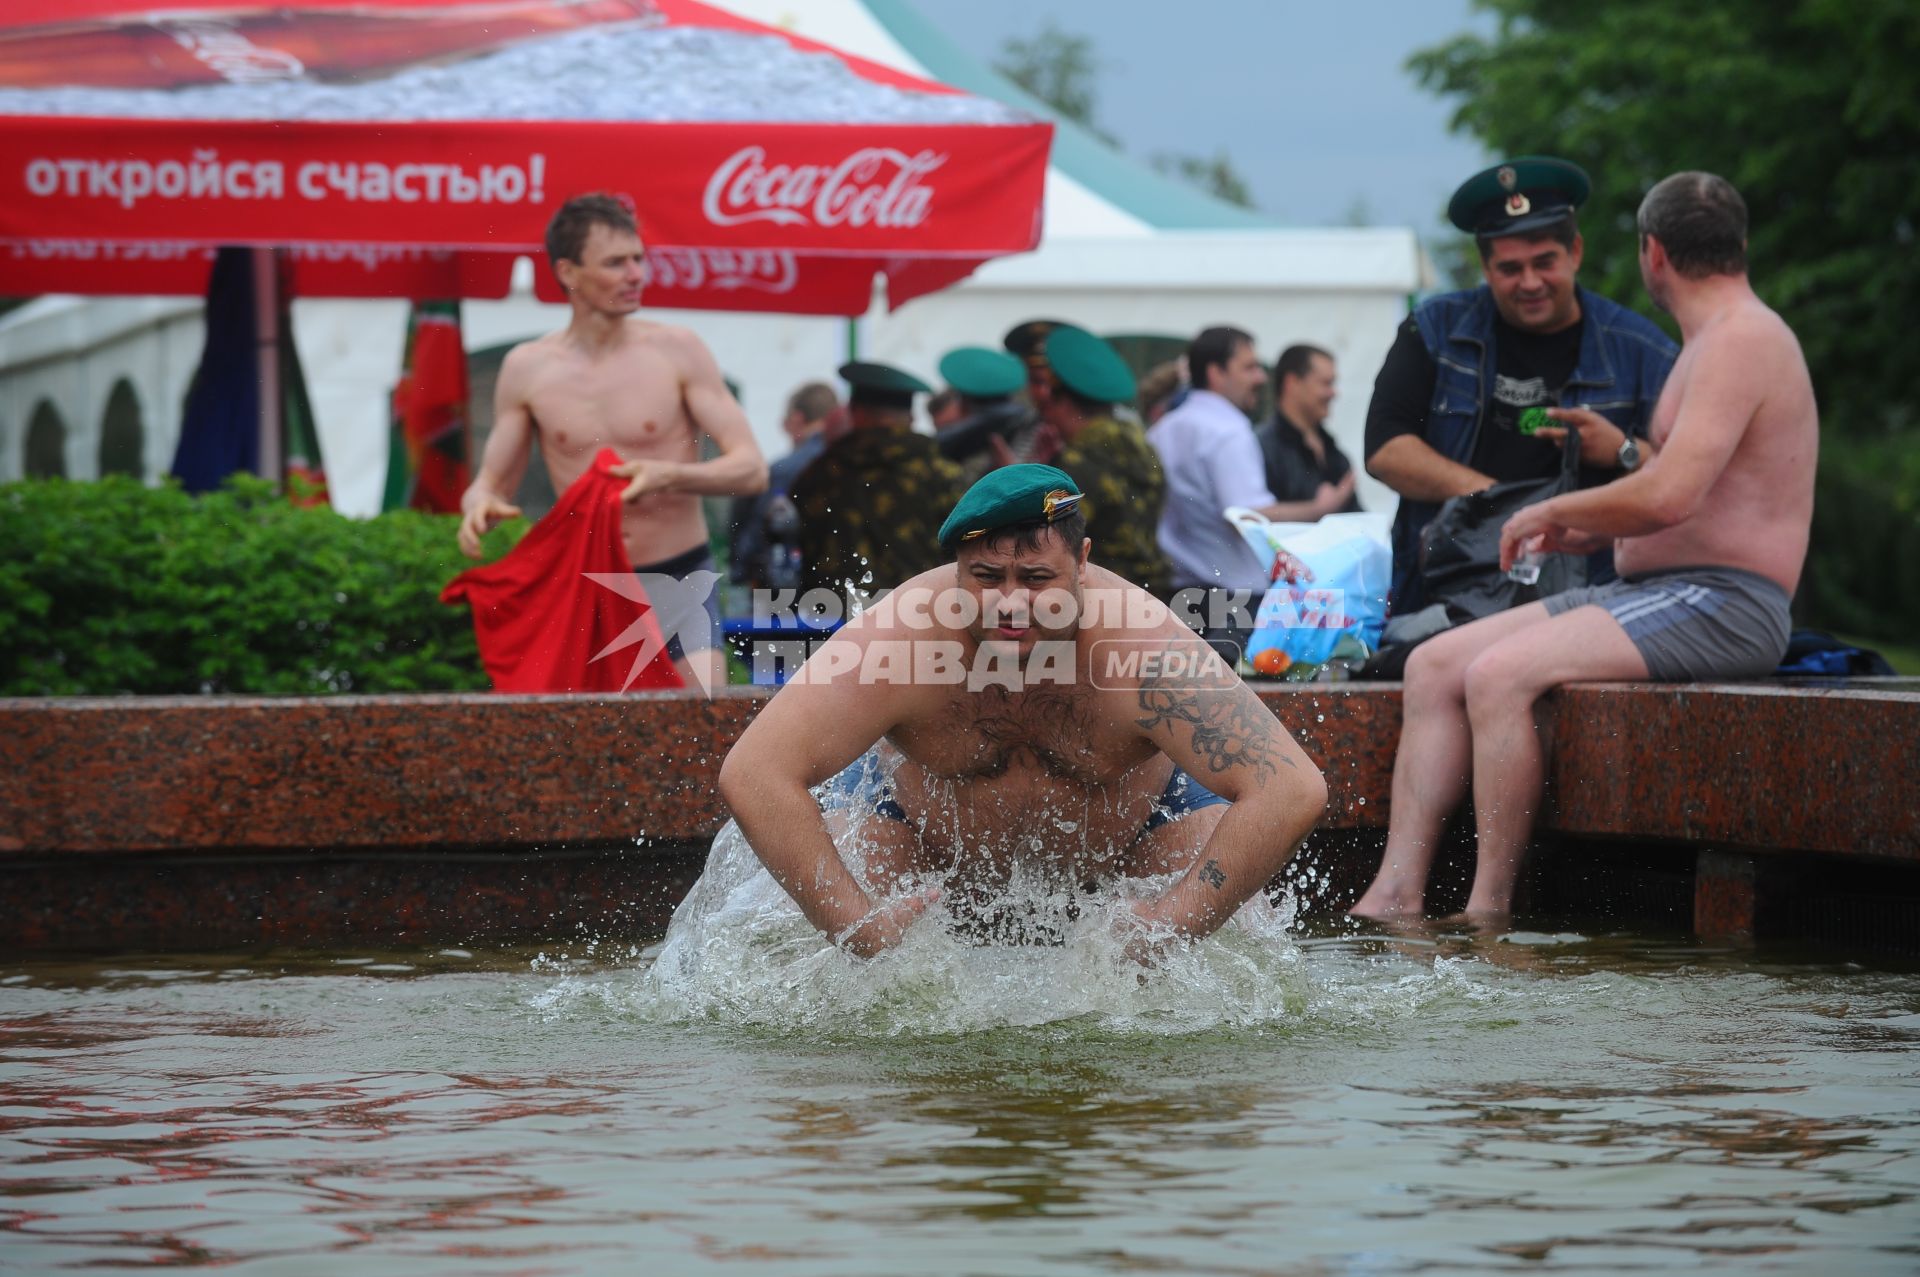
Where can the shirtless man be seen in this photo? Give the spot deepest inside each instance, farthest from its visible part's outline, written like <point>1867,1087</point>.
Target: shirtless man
<point>1075,758</point>
<point>1709,536</point>
<point>647,391</point>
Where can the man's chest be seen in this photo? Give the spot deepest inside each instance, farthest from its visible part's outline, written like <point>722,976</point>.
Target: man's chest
<point>635,406</point>
<point>1060,733</point>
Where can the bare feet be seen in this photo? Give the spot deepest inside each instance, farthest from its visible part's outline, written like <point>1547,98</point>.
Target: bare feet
<point>1381,902</point>
<point>1486,922</point>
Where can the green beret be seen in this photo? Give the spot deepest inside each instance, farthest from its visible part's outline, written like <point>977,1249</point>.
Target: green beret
<point>979,373</point>
<point>1088,366</point>
<point>1025,339</point>
<point>1009,495</point>
<point>1532,193</point>
<point>882,384</point>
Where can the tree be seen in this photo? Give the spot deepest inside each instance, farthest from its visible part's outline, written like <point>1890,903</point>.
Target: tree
<point>1217,176</point>
<point>1809,107</point>
<point>1059,69</point>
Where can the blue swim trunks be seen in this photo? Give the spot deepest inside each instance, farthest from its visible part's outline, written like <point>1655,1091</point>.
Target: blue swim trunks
<point>863,785</point>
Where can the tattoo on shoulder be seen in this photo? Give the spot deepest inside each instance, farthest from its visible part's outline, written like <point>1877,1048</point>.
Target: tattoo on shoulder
<point>1231,728</point>
<point>1211,874</point>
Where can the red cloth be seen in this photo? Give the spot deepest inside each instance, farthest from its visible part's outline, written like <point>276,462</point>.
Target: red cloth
<point>541,620</point>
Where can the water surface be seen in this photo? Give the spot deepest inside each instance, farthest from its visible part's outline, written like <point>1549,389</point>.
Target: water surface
<point>1312,1101</point>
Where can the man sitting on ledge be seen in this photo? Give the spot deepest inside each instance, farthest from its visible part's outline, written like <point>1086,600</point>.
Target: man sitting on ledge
<point>1019,710</point>
<point>1709,537</point>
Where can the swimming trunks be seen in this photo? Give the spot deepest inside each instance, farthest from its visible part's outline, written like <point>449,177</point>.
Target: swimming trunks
<point>1691,624</point>
<point>690,624</point>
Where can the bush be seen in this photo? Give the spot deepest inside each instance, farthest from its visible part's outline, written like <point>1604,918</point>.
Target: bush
<point>111,587</point>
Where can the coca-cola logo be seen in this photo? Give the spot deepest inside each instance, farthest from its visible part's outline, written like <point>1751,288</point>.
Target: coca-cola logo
<point>875,186</point>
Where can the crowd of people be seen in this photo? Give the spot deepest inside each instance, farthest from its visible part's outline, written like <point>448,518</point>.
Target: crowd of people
<point>1673,488</point>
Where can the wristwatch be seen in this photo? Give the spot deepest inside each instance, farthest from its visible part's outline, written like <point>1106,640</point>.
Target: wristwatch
<point>1630,457</point>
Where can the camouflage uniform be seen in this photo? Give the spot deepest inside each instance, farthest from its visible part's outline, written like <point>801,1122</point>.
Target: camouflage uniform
<point>1116,468</point>
<point>877,495</point>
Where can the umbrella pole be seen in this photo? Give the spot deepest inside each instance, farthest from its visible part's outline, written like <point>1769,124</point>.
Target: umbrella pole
<point>266,327</point>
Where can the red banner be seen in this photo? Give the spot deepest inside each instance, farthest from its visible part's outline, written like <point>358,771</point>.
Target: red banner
<point>875,190</point>
<point>769,216</point>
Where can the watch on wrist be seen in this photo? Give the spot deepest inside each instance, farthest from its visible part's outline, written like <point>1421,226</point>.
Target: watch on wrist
<point>1630,455</point>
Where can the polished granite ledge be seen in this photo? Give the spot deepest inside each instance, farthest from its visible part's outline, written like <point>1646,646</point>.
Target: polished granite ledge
<point>1826,768</point>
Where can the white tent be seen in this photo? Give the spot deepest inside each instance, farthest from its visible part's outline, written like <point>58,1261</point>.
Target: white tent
<point>1125,251</point>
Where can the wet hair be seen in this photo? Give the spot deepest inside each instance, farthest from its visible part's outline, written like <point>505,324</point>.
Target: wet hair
<point>1700,220</point>
<point>1562,232</point>
<point>813,401</point>
<point>1297,361</point>
<point>1030,535</point>
<point>1213,348</point>
<point>567,232</point>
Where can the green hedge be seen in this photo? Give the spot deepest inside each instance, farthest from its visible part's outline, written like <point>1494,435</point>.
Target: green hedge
<point>1863,568</point>
<point>111,587</point>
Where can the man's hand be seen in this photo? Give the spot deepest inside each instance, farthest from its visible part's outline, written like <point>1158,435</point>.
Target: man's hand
<point>480,513</point>
<point>1144,934</point>
<point>1600,439</point>
<point>645,477</point>
<point>1331,496</point>
<point>884,926</point>
<point>1534,529</point>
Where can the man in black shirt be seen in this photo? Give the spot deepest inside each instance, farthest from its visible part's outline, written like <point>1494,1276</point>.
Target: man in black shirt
<point>1306,471</point>
<point>1446,412</point>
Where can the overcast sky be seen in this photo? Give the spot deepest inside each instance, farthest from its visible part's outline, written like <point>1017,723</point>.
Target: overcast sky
<point>1311,101</point>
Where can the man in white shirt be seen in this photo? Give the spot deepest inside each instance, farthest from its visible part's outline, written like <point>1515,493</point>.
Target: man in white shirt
<point>1212,460</point>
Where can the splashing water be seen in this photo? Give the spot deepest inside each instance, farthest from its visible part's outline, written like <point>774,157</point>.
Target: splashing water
<point>739,949</point>
<point>740,952</point>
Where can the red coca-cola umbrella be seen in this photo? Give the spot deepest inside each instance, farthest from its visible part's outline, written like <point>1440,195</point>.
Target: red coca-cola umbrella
<point>417,148</point>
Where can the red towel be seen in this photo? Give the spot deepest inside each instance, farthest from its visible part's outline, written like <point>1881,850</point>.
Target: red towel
<point>541,621</point>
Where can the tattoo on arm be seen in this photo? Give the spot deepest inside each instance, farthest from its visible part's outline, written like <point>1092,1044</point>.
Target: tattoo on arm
<point>1211,875</point>
<point>1231,728</point>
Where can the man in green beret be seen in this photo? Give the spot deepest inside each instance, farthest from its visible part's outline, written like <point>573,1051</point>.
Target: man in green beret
<point>1449,409</point>
<point>1109,459</point>
<point>1020,714</point>
<point>1027,342</point>
<point>870,503</point>
<point>987,382</point>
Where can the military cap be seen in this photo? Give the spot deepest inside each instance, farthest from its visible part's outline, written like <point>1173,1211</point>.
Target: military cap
<point>1532,193</point>
<point>1009,495</point>
<point>1025,339</point>
<point>882,384</point>
<point>1088,366</point>
<point>979,373</point>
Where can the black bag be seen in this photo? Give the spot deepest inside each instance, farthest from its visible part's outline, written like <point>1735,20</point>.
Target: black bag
<point>1460,548</point>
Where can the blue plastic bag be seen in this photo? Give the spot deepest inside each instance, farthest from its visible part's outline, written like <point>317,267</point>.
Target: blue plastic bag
<point>1351,565</point>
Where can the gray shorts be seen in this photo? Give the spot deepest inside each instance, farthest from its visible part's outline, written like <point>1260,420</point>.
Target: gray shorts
<point>1692,624</point>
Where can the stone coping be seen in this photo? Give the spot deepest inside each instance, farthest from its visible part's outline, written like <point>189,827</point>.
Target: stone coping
<point>1824,766</point>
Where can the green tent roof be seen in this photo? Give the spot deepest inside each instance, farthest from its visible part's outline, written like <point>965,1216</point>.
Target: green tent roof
<point>1156,200</point>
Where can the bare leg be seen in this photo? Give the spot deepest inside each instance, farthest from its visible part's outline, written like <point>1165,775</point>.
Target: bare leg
<point>1430,767</point>
<point>1503,684</point>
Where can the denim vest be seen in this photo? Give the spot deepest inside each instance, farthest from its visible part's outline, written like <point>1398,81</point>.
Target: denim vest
<point>1624,361</point>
